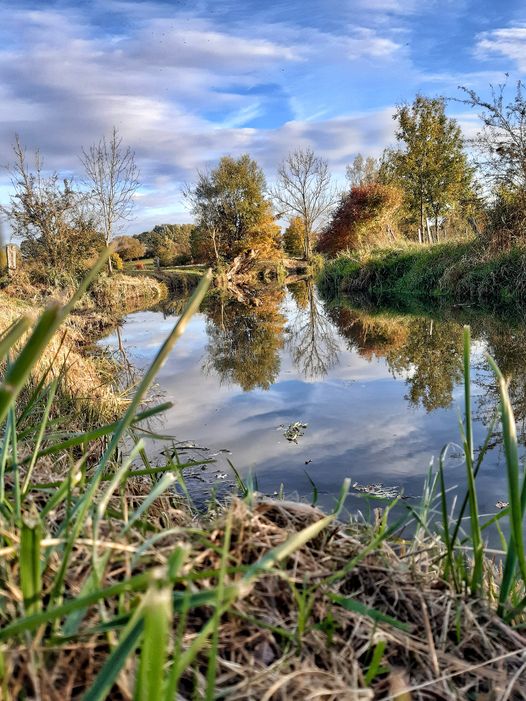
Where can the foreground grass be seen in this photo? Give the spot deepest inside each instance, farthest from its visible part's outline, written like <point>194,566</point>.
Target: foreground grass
<point>112,586</point>
<point>462,273</point>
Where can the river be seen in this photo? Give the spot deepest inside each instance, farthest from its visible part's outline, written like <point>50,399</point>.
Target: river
<point>379,392</point>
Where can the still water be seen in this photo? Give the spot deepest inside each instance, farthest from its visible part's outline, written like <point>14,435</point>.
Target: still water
<point>380,392</point>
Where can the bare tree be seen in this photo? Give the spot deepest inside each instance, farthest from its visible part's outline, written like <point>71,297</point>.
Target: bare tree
<point>50,217</point>
<point>502,141</point>
<point>304,189</point>
<point>113,178</point>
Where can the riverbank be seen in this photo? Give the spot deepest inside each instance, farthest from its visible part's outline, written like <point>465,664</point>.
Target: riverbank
<point>453,273</point>
<point>88,391</point>
<point>115,587</point>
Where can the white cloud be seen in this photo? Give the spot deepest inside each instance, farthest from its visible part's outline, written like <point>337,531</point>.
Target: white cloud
<point>508,42</point>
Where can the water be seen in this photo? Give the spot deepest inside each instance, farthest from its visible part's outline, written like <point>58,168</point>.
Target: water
<point>380,392</point>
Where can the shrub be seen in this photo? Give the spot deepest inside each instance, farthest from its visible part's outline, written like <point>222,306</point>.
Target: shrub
<point>364,217</point>
<point>116,261</point>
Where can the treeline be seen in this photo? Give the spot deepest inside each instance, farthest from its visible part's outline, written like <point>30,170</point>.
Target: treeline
<point>424,189</point>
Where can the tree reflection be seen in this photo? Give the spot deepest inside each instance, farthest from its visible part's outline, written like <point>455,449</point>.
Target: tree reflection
<point>311,338</point>
<point>508,347</point>
<point>432,355</point>
<point>244,338</point>
<point>427,353</point>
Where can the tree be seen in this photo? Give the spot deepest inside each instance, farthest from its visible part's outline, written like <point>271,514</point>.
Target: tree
<point>232,213</point>
<point>294,236</point>
<point>362,171</point>
<point>304,189</point>
<point>112,178</point>
<point>364,217</point>
<point>501,147</point>
<point>129,248</point>
<point>51,218</point>
<point>175,237</point>
<point>430,164</point>
<point>502,141</point>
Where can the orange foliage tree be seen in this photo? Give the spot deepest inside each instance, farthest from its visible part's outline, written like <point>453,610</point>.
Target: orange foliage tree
<point>364,217</point>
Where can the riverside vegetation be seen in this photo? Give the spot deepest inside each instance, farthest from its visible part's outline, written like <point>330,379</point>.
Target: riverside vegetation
<point>113,586</point>
<point>112,583</point>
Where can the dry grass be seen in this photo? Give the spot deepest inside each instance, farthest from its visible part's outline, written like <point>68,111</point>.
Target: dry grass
<point>88,380</point>
<point>285,638</point>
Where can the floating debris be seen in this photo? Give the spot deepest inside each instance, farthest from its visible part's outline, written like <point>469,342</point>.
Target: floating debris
<point>294,431</point>
<point>379,490</point>
<point>502,504</point>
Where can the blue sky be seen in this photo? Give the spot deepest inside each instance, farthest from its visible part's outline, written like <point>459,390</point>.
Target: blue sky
<point>186,82</point>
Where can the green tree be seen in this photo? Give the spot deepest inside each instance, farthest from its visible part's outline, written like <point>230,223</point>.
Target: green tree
<point>430,163</point>
<point>57,231</point>
<point>293,237</point>
<point>362,171</point>
<point>129,248</point>
<point>232,213</point>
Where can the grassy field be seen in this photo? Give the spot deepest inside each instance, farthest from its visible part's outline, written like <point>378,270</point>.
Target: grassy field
<point>113,586</point>
<point>459,273</point>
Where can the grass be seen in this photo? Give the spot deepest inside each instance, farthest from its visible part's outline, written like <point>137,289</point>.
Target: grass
<point>112,586</point>
<point>460,273</point>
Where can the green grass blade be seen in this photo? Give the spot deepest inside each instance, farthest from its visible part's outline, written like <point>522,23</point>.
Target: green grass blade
<point>476,536</point>
<point>16,331</point>
<point>516,495</point>
<point>157,614</point>
<point>30,566</point>
<point>355,606</point>
<point>115,662</point>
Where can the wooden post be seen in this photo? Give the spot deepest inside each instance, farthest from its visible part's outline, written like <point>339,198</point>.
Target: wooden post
<point>11,251</point>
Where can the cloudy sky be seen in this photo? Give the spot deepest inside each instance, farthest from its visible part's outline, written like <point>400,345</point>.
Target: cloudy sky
<point>188,81</point>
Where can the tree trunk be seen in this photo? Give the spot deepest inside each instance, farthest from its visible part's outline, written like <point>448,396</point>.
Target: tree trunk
<point>429,236</point>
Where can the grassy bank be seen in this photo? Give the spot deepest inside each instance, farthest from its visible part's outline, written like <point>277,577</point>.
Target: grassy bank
<point>113,586</point>
<point>458,273</point>
<point>87,389</point>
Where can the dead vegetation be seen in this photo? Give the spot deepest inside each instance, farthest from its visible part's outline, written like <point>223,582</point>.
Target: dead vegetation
<point>292,634</point>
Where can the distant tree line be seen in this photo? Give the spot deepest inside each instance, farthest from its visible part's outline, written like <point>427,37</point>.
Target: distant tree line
<point>428,187</point>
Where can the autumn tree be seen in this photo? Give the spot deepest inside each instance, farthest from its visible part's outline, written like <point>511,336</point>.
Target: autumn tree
<point>231,211</point>
<point>501,157</point>
<point>430,164</point>
<point>365,217</point>
<point>294,236</point>
<point>362,171</point>
<point>304,188</point>
<point>112,179</point>
<point>129,248</point>
<point>49,215</point>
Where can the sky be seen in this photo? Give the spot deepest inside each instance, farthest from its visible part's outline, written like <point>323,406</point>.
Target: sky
<point>186,82</point>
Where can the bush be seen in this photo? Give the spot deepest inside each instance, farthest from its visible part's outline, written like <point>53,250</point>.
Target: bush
<point>116,261</point>
<point>364,217</point>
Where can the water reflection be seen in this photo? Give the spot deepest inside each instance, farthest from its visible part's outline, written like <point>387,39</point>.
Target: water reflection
<point>310,336</point>
<point>427,354</point>
<point>379,390</point>
<point>244,339</point>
